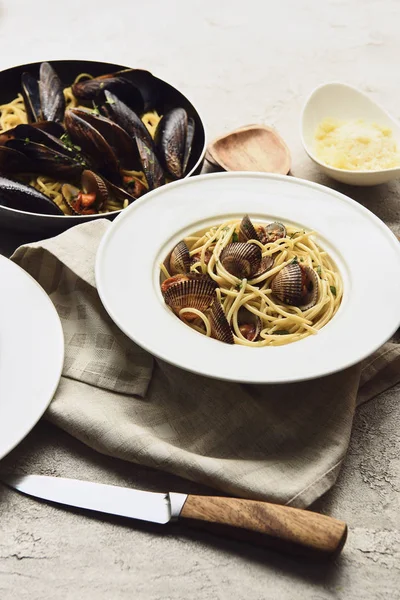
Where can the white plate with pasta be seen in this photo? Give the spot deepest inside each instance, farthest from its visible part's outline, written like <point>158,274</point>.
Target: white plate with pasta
<point>31,353</point>
<point>251,277</point>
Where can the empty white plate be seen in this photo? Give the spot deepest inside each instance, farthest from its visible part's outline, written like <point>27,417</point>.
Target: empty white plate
<point>365,250</point>
<point>31,353</point>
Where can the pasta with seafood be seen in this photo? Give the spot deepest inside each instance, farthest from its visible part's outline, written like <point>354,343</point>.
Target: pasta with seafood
<point>252,284</point>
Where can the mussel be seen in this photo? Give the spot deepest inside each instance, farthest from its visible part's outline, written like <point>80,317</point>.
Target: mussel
<point>24,197</point>
<point>89,90</point>
<point>179,260</point>
<point>126,118</point>
<point>51,92</point>
<point>152,169</point>
<point>13,161</point>
<point>31,96</point>
<point>171,137</point>
<point>220,328</point>
<point>46,161</point>
<point>192,292</point>
<point>241,260</point>
<point>296,285</point>
<point>121,143</point>
<point>44,99</point>
<point>39,135</point>
<point>93,145</point>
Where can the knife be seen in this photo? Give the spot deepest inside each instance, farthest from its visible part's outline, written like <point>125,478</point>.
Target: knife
<point>281,527</point>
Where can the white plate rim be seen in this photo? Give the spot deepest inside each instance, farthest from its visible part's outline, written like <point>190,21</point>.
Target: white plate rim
<point>102,250</point>
<point>53,346</point>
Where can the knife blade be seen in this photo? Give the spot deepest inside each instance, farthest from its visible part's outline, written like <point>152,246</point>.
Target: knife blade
<point>289,529</point>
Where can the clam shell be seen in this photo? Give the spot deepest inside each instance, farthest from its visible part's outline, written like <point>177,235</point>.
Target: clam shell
<point>312,284</point>
<point>247,230</point>
<point>220,328</point>
<point>241,260</point>
<point>179,260</point>
<point>190,293</point>
<point>250,324</point>
<point>94,184</point>
<point>274,231</point>
<point>287,286</point>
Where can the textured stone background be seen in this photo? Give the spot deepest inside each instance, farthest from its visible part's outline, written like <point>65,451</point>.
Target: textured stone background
<point>240,62</point>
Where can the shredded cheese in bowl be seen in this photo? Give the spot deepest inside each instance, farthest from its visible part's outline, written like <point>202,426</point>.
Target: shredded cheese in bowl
<point>356,145</point>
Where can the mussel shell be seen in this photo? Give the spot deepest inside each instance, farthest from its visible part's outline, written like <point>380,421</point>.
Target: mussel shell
<point>150,164</point>
<point>274,231</point>
<point>247,230</point>
<point>56,130</point>
<point>241,260</point>
<point>90,90</point>
<point>126,118</point>
<point>13,161</point>
<point>170,140</point>
<point>287,284</point>
<point>40,136</point>
<point>250,324</point>
<point>24,197</point>
<point>179,260</point>
<point>220,328</point>
<point>51,92</point>
<point>188,143</point>
<point>93,145</point>
<point>31,96</point>
<point>148,86</point>
<point>46,161</point>
<point>312,284</point>
<point>121,143</point>
<point>196,293</point>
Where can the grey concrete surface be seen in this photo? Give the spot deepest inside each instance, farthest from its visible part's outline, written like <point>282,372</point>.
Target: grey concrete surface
<point>240,63</point>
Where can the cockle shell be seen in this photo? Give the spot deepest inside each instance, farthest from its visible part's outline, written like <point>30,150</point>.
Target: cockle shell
<point>250,324</point>
<point>274,231</point>
<point>241,260</point>
<point>192,292</point>
<point>247,230</point>
<point>296,285</point>
<point>179,260</point>
<point>220,328</point>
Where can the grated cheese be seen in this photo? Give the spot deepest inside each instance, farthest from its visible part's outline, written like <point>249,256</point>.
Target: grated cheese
<point>356,145</point>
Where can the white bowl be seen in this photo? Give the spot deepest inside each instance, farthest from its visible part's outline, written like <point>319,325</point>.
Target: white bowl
<point>128,276</point>
<point>345,102</point>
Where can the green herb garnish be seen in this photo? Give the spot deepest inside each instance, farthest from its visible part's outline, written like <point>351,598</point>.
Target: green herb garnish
<point>280,332</point>
<point>293,234</point>
<point>318,269</point>
<point>294,260</point>
<point>110,101</point>
<point>235,237</point>
<point>333,289</point>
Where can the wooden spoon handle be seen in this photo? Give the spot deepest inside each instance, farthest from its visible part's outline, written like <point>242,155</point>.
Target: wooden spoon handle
<point>282,527</point>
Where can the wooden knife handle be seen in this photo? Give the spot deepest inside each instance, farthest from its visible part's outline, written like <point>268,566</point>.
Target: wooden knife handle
<point>284,528</point>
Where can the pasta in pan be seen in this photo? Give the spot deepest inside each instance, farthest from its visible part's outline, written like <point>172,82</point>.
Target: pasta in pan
<point>14,113</point>
<point>254,285</point>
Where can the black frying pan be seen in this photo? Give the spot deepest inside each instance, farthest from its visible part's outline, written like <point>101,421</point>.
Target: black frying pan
<point>67,70</point>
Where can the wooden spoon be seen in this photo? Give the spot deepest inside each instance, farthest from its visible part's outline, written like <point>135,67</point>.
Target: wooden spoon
<point>251,148</point>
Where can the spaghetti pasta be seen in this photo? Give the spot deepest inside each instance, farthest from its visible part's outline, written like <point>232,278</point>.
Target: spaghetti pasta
<point>255,309</point>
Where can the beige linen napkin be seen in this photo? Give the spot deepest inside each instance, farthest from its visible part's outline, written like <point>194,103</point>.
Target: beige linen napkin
<point>283,443</point>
